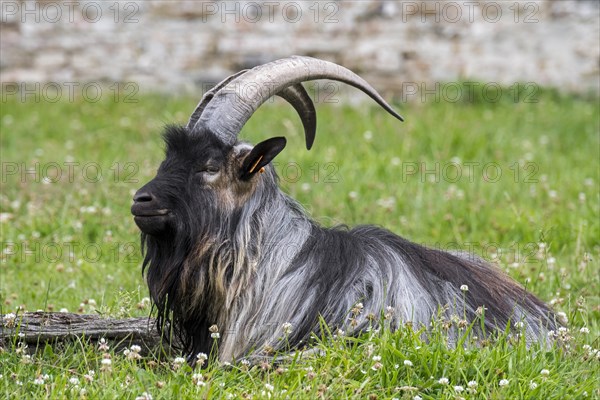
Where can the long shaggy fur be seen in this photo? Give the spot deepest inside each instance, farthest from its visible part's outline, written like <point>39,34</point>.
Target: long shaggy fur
<point>251,268</point>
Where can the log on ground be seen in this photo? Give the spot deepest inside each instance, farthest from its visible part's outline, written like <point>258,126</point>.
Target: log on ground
<point>39,328</point>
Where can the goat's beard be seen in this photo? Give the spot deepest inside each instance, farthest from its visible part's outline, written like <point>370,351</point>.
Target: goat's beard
<point>187,297</point>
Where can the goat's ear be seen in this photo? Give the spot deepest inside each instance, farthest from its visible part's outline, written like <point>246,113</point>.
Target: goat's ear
<point>261,155</point>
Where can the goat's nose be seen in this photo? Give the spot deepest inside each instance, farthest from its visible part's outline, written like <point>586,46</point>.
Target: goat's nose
<point>143,197</point>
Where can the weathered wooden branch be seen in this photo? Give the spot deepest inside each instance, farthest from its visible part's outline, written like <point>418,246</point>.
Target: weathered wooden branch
<point>39,328</point>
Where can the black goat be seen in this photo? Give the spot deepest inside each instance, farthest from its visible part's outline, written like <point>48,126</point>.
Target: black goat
<point>225,247</point>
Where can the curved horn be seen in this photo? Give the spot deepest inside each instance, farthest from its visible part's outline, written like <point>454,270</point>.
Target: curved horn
<point>232,106</point>
<point>296,95</point>
<point>208,97</point>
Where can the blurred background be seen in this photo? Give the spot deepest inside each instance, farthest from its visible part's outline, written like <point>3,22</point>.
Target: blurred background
<point>398,46</point>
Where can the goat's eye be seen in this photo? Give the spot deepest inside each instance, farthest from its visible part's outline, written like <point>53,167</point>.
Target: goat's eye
<point>209,169</point>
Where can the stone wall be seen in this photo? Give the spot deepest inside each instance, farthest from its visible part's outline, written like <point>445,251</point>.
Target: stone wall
<point>179,45</point>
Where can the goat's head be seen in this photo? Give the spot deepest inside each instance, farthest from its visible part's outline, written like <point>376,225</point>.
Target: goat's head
<point>207,174</point>
<point>201,182</point>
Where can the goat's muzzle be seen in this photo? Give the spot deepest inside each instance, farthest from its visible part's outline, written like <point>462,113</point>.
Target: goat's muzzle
<point>148,214</point>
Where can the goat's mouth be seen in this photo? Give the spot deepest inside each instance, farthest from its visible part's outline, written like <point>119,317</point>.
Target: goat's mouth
<point>151,222</point>
<point>149,213</point>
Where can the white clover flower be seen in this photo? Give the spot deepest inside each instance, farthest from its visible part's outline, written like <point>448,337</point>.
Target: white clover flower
<point>74,380</point>
<point>503,382</point>
<point>459,389</point>
<point>135,348</point>
<point>443,381</point>
<point>215,335</point>
<point>103,345</point>
<point>9,320</point>
<point>89,376</point>
<point>472,384</point>
<point>533,385</point>
<point>519,325</point>
<point>197,379</point>
<point>464,288</point>
<point>408,363</point>
<point>585,330</point>
<point>106,362</point>
<point>179,360</point>
<point>544,372</point>
<point>417,397</point>
<point>133,353</point>
<point>286,328</point>
<point>387,203</point>
<point>38,381</point>
<point>269,387</point>
<point>144,396</point>
<point>376,358</point>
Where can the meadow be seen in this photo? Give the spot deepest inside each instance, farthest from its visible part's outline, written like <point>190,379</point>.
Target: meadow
<point>514,182</point>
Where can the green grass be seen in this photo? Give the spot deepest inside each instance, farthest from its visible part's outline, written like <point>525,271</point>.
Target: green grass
<point>71,239</point>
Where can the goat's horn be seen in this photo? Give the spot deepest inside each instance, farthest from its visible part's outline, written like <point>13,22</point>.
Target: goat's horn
<point>232,105</point>
<point>208,97</point>
<point>296,95</point>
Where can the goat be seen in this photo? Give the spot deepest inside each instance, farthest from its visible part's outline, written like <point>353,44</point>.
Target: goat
<point>227,252</point>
